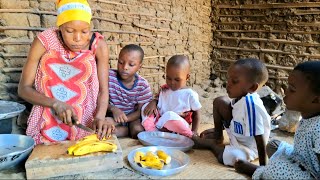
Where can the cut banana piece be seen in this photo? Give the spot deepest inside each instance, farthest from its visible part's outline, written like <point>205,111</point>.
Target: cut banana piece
<point>164,156</point>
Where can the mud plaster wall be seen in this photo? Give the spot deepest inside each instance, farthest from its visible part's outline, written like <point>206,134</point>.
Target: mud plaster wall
<point>161,28</point>
<point>281,33</point>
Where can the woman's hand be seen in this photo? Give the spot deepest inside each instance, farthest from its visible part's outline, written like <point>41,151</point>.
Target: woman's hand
<point>103,127</point>
<point>118,115</point>
<point>64,112</point>
<point>151,108</point>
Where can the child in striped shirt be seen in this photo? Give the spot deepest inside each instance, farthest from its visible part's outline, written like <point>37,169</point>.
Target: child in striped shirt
<point>127,92</point>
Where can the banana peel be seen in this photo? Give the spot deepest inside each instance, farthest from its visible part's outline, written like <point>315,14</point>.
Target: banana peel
<point>91,144</point>
<point>151,160</point>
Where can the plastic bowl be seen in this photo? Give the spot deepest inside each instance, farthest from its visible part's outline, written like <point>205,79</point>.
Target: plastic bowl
<point>14,148</point>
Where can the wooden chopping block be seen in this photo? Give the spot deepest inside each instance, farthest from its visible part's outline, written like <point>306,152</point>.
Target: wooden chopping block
<point>53,160</point>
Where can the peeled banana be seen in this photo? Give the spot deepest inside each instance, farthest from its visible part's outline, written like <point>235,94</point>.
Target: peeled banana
<point>150,160</point>
<point>94,147</point>
<point>138,156</point>
<point>91,144</point>
<point>164,156</point>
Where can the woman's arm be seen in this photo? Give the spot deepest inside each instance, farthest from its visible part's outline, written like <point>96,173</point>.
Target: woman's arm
<point>25,87</point>
<point>102,58</point>
<point>28,93</point>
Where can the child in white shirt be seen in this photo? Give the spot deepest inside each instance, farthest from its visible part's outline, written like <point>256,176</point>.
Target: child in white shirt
<point>177,106</point>
<point>244,117</point>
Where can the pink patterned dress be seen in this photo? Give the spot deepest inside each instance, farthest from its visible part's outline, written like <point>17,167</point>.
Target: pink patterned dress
<point>71,80</point>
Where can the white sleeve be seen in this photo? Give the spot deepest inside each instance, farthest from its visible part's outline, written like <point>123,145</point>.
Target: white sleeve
<point>194,101</point>
<point>254,118</point>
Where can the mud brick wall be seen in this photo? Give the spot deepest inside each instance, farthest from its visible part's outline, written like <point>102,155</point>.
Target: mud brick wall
<point>281,33</point>
<point>163,28</point>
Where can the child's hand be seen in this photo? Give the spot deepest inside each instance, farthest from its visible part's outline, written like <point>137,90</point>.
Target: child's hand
<point>103,127</point>
<point>64,112</point>
<point>119,116</point>
<point>151,108</point>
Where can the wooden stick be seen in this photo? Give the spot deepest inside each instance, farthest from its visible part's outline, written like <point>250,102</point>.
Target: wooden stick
<point>241,15</point>
<point>269,6</point>
<point>150,28</point>
<point>132,14</point>
<point>267,31</point>
<point>312,24</point>
<point>100,30</point>
<point>267,65</point>
<point>149,75</point>
<point>5,40</point>
<point>267,51</point>
<point>306,12</point>
<point>111,20</point>
<point>110,2</point>
<point>24,55</point>
<point>28,42</point>
<point>270,77</point>
<point>153,67</point>
<point>284,41</point>
<point>251,22</point>
<point>124,32</point>
<point>7,70</point>
<point>22,28</point>
<point>158,2</point>
<point>32,11</point>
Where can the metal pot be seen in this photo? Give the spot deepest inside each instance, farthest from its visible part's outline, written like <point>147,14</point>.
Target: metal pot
<point>14,148</point>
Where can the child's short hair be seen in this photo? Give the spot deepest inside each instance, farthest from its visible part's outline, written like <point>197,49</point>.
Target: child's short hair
<point>178,61</point>
<point>311,70</point>
<point>257,71</point>
<point>133,47</point>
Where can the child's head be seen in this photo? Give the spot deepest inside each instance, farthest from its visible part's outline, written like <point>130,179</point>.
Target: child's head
<point>303,92</point>
<point>130,61</point>
<point>246,76</point>
<point>177,72</point>
<point>73,20</point>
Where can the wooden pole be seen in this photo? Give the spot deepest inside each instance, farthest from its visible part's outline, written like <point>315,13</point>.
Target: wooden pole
<point>268,51</point>
<point>270,5</point>
<point>267,65</point>
<point>284,41</point>
<point>110,2</point>
<point>266,31</point>
<point>157,2</point>
<point>270,77</point>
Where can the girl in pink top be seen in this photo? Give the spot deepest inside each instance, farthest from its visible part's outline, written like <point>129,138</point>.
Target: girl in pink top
<point>66,77</point>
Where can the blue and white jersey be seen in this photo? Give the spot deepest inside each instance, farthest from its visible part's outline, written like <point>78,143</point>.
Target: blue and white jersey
<point>250,118</point>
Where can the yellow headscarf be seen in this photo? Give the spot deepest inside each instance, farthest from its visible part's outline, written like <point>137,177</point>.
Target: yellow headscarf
<point>71,10</point>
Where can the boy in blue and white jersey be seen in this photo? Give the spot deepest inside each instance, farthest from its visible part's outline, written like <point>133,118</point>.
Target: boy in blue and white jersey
<point>244,116</point>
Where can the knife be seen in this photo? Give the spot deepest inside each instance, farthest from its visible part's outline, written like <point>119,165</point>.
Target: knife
<point>81,126</point>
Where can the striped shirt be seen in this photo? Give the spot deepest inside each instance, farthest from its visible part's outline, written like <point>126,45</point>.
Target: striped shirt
<point>124,98</point>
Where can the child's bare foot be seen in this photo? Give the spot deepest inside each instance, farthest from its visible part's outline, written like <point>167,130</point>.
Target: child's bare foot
<point>212,134</point>
<point>245,167</point>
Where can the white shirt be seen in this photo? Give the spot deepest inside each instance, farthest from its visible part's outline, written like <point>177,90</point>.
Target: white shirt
<point>250,119</point>
<point>171,104</point>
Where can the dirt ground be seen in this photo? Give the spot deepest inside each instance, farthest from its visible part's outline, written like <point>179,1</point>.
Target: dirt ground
<point>203,164</point>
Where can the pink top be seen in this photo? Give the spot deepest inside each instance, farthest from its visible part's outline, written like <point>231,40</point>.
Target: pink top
<point>74,81</point>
